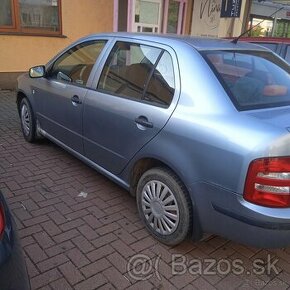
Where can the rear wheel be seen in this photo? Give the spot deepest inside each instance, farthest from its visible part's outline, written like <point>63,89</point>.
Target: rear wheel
<point>28,123</point>
<point>164,206</point>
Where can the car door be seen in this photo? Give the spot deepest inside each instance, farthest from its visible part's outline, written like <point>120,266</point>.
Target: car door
<point>133,97</point>
<point>60,95</point>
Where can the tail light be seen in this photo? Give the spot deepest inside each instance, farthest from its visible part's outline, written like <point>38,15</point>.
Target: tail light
<point>268,182</point>
<point>2,220</point>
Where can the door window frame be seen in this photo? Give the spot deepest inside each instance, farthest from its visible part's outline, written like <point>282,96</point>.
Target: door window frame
<point>51,63</point>
<point>172,53</point>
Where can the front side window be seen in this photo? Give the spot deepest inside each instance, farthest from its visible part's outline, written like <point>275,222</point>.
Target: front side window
<point>26,16</point>
<point>76,64</point>
<point>253,79</point>
<point>138,72</point>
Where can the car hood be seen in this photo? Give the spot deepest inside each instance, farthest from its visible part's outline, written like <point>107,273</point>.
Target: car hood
<point>279,117</point>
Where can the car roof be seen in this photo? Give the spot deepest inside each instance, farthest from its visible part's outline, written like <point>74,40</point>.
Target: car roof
<point>199,43</point>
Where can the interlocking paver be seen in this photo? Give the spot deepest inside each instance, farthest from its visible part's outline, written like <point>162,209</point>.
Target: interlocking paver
<point>77,257</point>
<point>92,283</point>
<point>35,253</point>
<point>71,273</point>
<point>72,242</point>
<point>59,248</point>
<point>52,262</point>
<point>45,278</point>
<point>60,284</point>
<point>44,240</point>
<point>95,267</point>
<point>116,278</point>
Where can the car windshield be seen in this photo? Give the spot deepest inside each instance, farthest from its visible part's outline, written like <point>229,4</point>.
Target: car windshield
<point>253,79</point>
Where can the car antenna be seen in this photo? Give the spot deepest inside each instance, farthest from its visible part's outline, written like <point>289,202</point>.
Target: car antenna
<point>236,39</point>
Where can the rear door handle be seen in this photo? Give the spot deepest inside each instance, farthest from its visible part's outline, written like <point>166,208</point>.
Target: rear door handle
<point>76,100</point>
<point>143,121</point>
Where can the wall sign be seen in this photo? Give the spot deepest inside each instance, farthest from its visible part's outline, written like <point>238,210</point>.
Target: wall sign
<point>231,8</point>
<point>206,18</point>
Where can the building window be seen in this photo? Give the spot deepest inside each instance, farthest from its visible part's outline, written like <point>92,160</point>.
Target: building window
<point>31,16</point>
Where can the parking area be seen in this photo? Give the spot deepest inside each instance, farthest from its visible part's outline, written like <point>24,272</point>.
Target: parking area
<point>81,231</point>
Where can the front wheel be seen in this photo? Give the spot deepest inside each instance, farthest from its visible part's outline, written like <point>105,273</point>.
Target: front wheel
<point>164,206</point>
<point>28,123</point>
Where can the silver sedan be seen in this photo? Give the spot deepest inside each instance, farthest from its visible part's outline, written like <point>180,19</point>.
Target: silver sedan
<point>196,129</point>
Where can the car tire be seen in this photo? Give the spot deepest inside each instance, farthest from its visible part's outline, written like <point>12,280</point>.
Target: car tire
<point>164,206</point>
<point>27,119</point>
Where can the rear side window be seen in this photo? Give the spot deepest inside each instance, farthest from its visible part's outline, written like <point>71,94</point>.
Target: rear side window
<point>253,79</point>
<point>160,89</point>
<point>138,72</point>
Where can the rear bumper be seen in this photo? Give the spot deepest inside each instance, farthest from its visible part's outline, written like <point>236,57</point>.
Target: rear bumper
<point>13,273</point>
<point>227,214</point>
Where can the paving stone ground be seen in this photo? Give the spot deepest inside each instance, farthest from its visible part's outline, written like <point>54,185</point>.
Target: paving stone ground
<point>73,242</point>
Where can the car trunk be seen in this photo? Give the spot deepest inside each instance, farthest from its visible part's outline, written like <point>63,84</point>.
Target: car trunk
<point>279,117</point>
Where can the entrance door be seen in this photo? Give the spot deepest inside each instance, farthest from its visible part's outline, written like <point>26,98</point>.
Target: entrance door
<point>155,16</point>
<point>147,16</point>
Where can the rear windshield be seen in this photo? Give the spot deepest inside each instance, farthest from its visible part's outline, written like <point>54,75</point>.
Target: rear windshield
<point>253,79</point>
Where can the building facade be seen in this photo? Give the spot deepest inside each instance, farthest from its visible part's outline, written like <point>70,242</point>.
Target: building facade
<point>154,16</point>
<point>208,19</point>
<point>32,31</point>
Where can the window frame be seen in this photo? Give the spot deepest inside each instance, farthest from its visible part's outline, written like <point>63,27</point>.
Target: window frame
<point>50,65</point>
<point>17,29</point>
<point>143,100</point>
<point>13,26</point>
<point>226,88</point>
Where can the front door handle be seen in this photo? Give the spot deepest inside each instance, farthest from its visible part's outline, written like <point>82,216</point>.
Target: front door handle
<point>76,100</point>
<point>143,121</point>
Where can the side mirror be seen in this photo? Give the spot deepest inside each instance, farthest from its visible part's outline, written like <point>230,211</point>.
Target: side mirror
<point>37,72</point>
